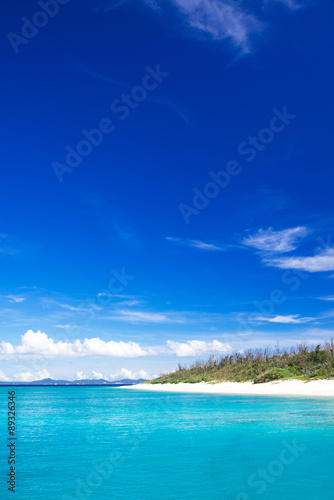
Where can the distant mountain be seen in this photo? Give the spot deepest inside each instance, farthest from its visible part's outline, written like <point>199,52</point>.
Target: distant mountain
<point>50,381</point>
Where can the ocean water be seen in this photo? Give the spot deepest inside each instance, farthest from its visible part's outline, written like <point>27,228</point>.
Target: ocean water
<point>104,443</point>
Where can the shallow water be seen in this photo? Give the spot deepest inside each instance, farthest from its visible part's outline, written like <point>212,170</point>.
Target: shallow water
<point>105,443</point>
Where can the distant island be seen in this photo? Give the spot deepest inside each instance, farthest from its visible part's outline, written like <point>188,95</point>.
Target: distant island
<point>88,382</point>
<point>301,362</point>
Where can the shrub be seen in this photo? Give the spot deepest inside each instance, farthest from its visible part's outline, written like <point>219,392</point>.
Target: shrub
<point>274,374</point>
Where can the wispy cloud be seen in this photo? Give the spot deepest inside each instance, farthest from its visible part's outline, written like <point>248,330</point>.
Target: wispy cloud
<point>161,101</point>
<point>63,327</point>
<point>291,4</point>
<point>129,303</point>
<point>328,298</point>
<point>292,319</point>
<point>214,19</point>
<point>220,20</point>
<point>201,245</point>
<point>88,306</point>
<point>270,241</point>
<point>14,298</point>
<point>147,317</point>
<point>323,261</point>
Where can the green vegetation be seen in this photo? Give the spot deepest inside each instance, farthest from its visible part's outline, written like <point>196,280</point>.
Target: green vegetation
<point>260,365</point>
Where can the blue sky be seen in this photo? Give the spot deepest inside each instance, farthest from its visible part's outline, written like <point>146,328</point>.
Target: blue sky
<point>166,182</point>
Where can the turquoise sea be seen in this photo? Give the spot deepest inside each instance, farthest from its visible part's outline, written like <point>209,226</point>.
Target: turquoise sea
<point>105,443</point>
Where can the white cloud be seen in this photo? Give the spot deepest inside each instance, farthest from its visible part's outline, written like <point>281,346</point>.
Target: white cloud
<point>64,327</point>
<point>30,377</point>
<point>121,374</point>
<point>323,261</point>
<point>201,245</point>
<point>268,240</point>
<point>40,343</point>
<point>215,19</point>
<point>146,317</point>
<point>289,319</point>
<point>329,298</point>
<point>219,20</point>
<point>226,20</point>
<point>15,298</point>
<point>97,375</point>
<point>124,373</point>
<point>80,309</point>
<point>3,377</point>
<point>129,303</point>
<point>196,347</point>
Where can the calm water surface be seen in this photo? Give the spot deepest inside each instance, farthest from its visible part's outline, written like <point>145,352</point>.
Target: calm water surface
<point>104,443</point>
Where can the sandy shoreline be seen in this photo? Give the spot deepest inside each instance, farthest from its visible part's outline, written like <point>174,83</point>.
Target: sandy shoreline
<point>284,388</point>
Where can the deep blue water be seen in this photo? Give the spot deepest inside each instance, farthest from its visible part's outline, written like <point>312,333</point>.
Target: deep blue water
<point>104,443</point>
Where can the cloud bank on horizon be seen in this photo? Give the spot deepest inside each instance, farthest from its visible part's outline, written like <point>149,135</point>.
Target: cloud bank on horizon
<point>39,343</point>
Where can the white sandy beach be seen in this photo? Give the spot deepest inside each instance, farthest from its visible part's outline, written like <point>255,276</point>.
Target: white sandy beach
<point>283,388</point>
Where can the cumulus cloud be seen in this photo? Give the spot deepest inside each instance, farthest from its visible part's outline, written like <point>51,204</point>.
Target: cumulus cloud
<point>270,241</point>
<point>40,343</point>
<point>121,374</point>
<point>31,377</point>
<point>196,347</point>
<point>288,319</point>
<point>201,245</point>
<point>124,373</point>
<point>323,261</point>
<point>3,377</point>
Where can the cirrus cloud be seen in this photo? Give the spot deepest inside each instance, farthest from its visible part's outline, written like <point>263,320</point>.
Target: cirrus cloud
<point>270,241</point>
<point>323,261</point>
